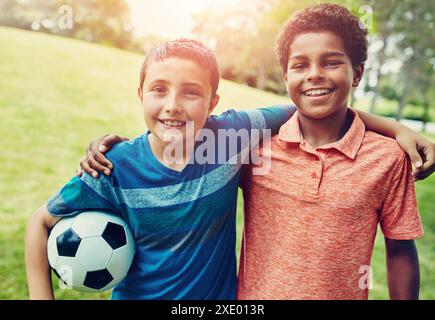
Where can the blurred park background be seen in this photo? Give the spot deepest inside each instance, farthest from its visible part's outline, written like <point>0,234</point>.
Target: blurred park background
<point>70,74</point>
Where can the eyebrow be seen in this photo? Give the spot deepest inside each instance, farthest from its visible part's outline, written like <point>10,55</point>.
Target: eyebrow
<point>184,85</point>
<point>197,84</point>
<point>168,82</point>
<point>156,81</point>
<point>326,54</point>
<point>333,54</point>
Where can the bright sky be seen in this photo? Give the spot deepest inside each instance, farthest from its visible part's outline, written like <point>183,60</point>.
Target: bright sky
<point>170,18</point>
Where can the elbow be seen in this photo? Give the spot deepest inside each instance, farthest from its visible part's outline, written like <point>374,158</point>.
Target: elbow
<point>36,223</point>
<point>35,219</point>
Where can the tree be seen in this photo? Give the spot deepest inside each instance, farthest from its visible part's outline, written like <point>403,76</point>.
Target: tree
<point>386,14</point>
<point>413,23</point>
<point>231,31</point>
<point>102,21</point>
<point>405,30</point>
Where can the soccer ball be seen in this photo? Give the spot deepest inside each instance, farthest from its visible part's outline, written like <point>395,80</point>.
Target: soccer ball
<point>91,251</point>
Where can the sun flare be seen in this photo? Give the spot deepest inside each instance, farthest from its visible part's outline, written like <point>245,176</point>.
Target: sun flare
<point>169,18</point>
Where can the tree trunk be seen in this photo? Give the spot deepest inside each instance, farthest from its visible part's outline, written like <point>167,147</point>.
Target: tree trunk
<point>402,100</point>
<point>426,112</point>
<point>378,76</point>
<point>375,93</point>
<point>261,79</point>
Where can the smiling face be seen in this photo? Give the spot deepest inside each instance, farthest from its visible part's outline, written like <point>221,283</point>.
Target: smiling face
<point>320,75</point>
<point>176,91</point>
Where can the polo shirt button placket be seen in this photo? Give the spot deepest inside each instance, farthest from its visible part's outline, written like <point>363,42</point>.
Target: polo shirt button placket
<point>316,174</point>
<point>317,159</point>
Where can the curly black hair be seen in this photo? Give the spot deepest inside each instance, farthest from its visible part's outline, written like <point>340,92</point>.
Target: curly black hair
<point>324,17</point>
<point>184,48</point>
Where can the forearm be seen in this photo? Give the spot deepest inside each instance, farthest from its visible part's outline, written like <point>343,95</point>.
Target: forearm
<point>403,271</point>
<point>383,126</point>
<point>37,267</point>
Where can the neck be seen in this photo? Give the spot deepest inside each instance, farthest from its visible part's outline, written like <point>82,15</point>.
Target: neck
<point>171,155</point>
<point>319,132</point>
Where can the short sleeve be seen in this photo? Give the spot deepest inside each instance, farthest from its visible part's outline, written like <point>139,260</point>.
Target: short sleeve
<point>399,218</point>
<point>84,193</point>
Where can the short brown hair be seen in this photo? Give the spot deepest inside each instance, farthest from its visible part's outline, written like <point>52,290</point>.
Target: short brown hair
<point>320,18</point>
<point>184,48</point>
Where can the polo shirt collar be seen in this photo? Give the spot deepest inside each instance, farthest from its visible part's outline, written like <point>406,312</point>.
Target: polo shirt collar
<point>349,144</point>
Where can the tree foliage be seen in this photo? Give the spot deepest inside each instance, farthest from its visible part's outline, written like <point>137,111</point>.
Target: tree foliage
<point>102,21</point>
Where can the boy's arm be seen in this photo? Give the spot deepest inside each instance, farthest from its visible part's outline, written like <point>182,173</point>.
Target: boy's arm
<point>272,118</point>
<point>402,269</point>
<point>37,266</point>
<point>400,220</point>
<point>78,195</point>
<point>420,150</point>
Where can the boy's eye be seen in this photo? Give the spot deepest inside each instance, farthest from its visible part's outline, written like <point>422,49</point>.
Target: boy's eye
<point>299,66</point>
<point>332,63</point>
<point>192,92</point>
<point>158,89</point>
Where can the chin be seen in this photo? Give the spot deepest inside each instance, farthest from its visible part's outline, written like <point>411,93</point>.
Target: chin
<point>319,112</point>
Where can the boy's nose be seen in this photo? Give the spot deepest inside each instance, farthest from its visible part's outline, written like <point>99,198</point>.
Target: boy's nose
<point>315,74</point>
<point>172,106</point>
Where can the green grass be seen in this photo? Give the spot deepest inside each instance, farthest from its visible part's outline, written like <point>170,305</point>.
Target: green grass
<point>388,108</point>
<point>56,94</point>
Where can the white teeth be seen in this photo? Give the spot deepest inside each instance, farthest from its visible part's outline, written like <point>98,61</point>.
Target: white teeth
<point>173,123</point>
<point>317,92</point>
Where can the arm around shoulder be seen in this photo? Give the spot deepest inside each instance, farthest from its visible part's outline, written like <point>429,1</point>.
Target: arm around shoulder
<point>420,150</point>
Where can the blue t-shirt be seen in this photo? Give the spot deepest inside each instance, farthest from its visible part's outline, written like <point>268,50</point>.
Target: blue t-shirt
<point>183,223</point>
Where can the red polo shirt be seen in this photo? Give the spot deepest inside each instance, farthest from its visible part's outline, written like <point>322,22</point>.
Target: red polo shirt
<point>310,223</point>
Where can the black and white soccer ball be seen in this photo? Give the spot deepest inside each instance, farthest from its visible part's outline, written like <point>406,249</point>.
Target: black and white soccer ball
<point>91,251</point>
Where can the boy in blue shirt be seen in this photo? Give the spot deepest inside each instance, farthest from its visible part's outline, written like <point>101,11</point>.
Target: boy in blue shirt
<point>181,213</point>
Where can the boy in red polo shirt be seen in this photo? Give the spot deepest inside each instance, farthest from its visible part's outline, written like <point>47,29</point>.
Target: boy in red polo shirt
<point>311,222</point>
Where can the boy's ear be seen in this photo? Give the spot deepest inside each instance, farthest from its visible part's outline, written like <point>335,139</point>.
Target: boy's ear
<point>140,93</point>
<point>358,72</point>
<point>213,103</point>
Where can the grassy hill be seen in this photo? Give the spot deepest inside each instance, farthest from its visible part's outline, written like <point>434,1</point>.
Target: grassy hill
<point>56,94</point>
